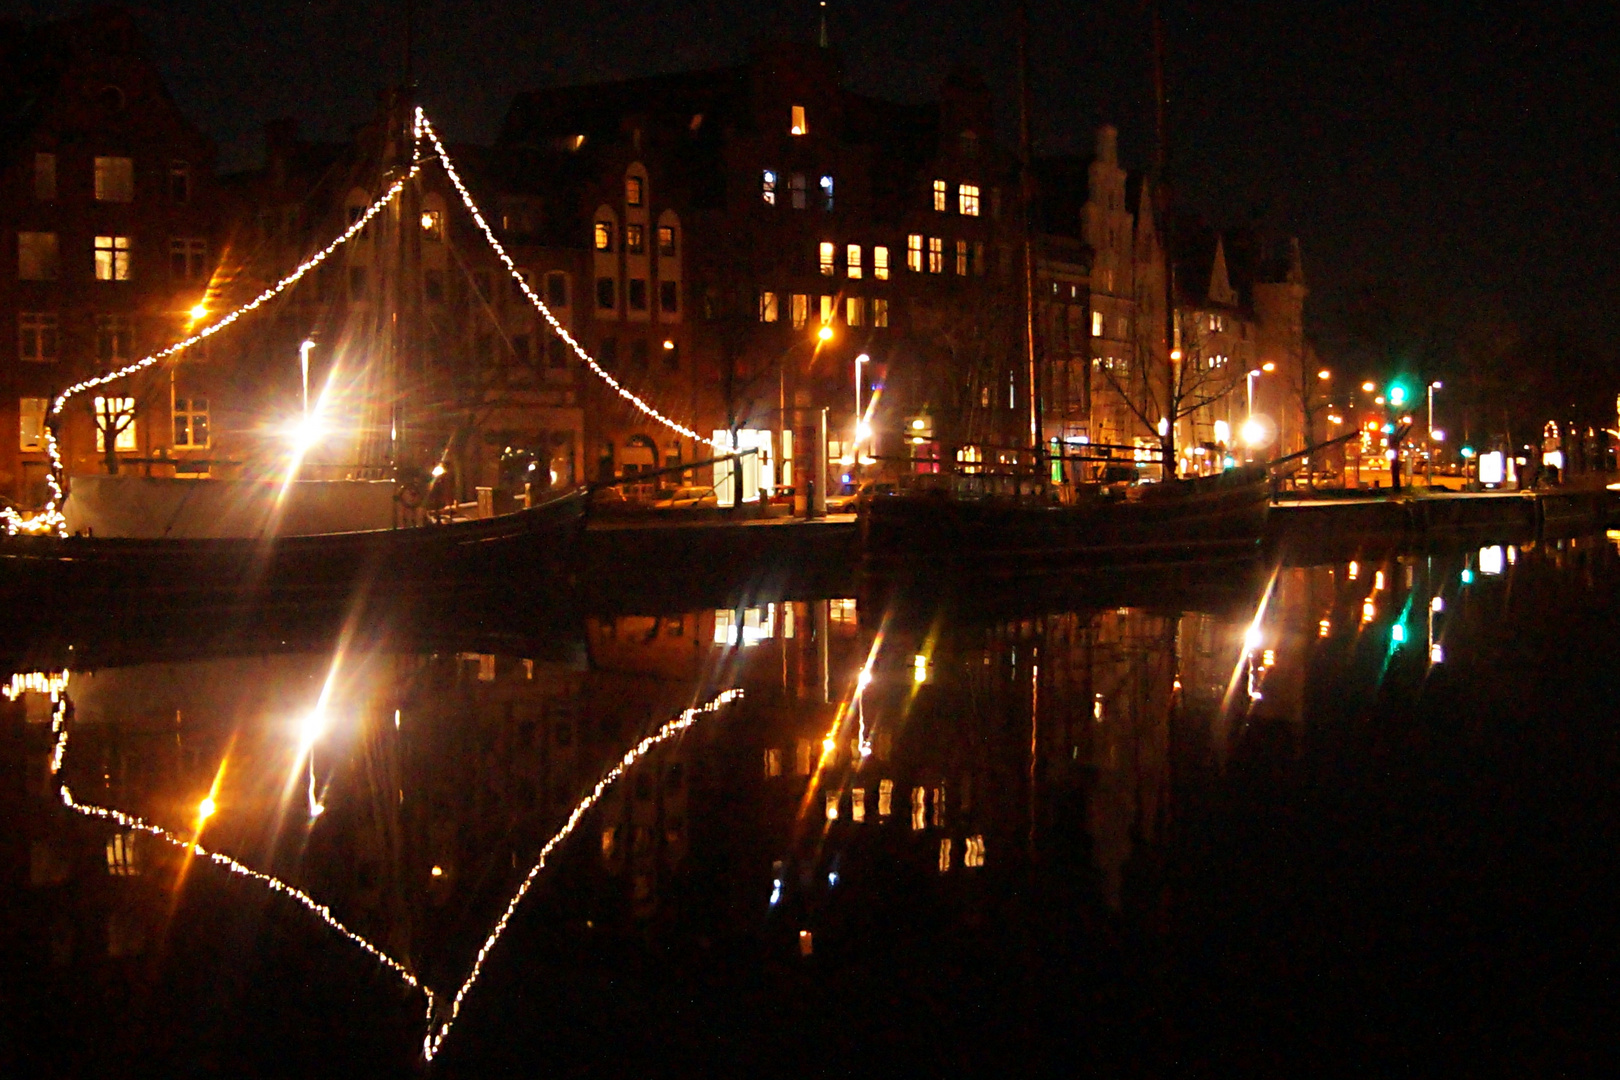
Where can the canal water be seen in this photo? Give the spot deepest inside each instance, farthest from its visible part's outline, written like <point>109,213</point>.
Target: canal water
<point>1316,815</point>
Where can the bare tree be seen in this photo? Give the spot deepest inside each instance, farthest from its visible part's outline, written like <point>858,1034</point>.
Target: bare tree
<point>1160,392</point>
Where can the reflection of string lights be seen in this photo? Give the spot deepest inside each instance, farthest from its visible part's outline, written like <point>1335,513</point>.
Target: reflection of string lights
<point>205,809</point>
<point>434,1039</point>
<point>545,312</point>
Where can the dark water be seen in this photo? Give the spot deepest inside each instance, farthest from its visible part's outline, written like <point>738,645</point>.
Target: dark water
<point>1336,817</point>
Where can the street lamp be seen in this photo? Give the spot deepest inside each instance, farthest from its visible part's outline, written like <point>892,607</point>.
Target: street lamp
<point>303,363</point>
<point>1433,437</point>
<point>860,419</point>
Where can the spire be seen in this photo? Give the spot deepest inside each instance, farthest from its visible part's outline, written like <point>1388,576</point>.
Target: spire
<point>1296,264</point>
<point>1220,284</point>
<point>823,39</point>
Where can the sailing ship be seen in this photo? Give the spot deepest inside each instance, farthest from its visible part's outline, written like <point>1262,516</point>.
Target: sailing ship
<point>531,551</point>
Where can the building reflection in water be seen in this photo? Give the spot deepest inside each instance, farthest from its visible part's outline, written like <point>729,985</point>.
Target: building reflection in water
<point>916,760</point>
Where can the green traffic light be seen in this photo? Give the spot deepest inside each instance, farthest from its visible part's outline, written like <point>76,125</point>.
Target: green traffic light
<point>1397,394</point>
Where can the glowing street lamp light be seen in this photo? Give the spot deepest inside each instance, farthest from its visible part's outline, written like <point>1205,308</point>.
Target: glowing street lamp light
<point>303,363</point>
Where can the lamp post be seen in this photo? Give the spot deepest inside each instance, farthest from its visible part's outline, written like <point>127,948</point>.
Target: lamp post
<point>303,363</point>
<point>1429,470</point>
<point>860,420</point>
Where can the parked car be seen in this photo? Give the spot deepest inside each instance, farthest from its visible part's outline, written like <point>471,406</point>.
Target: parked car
<point>849,500</point>
<point>684,498</point>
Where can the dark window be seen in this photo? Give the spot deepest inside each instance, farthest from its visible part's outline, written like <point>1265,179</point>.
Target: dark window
<point>605,298</point>
<point>610,350</point>
<point>521,349</point>
<point>565,733</point>
<point>638,354</point>
<point>433,286</point>
<point>669,296</point>
<point>518,295</point>
<point>638,294</point>
<point>556,352</point>
<point>672,357</point>
<point>557,290</point>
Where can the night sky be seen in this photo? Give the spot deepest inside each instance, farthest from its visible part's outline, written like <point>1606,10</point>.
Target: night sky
<point>1458,160</point>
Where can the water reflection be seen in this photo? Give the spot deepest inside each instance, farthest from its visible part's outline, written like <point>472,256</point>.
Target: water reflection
<point>890,782</point>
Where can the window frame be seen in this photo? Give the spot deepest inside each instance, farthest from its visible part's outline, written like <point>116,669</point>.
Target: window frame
<point>113,258</point>
<point>107,169</point>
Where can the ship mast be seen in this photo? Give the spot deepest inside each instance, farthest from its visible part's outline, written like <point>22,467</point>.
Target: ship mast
<point>1026,201</point>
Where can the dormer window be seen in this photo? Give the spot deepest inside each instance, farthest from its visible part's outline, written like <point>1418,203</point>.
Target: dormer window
<point>604,236</point>
<point>801,126</point>
<point>632,191</point>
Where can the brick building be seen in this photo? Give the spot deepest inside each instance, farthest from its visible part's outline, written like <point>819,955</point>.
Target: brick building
<point>112,227</point>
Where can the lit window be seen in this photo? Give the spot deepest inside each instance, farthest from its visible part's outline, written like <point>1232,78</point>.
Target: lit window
<point>828,308</point>
<point>914,252</point>
<point>973,853</point>
<point>45,177</point>
<point>939,806</point>
<point>967,199</point>
<point>885,798</point>
<point>919,808</point>
<point>853,307</point>
<point>827,193</point>
<point>857,804</point>
<point>115,179</point>
<point>852,260</point>
<point>604,236</point>
<point>880,311</point>
<point>32,413</point>
<point>432,225</point>
<point>117,417</point>
<point>632,191</point>
<point>941,196</point>
<point>191,422</point>
<point>37,256</point>
<point>796,190</point>
<point>773,762</point>
<point>635,239</point>
<point>121,860</point>
<point>801,126</point>
<point>945,854</point>
<point>767,187</point>
<point>805,757</point>
<point>936,255</point>
<point>832,805</point>
<point>37,336</point>
<point>962,257</point>
<point>186,257</point>
<point>768,309</point>
<point>827,258</point>
<point>666,240</point>
<point>1096,324</point>
<point>801,310</point>
<point>880,263</point>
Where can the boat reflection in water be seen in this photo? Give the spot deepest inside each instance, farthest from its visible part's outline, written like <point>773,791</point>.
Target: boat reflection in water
<point>962,839</point>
